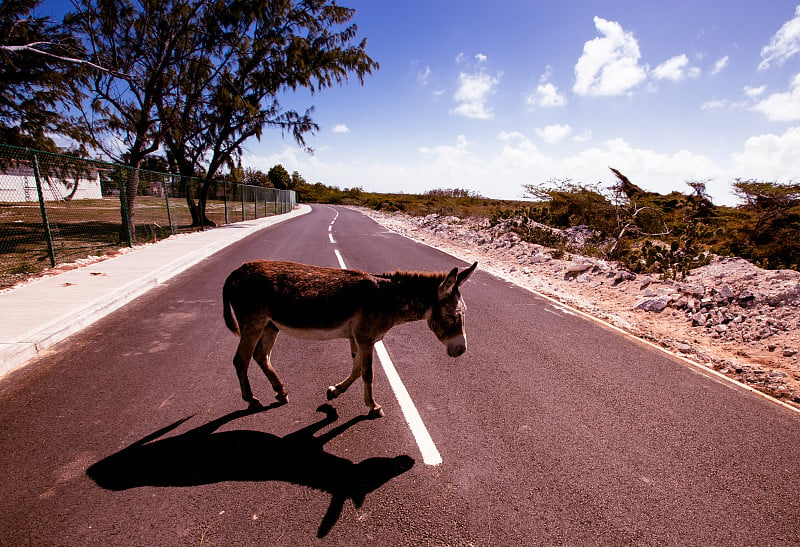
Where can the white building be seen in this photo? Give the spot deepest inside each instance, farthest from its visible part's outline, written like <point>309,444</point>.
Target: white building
<point>17,184</point>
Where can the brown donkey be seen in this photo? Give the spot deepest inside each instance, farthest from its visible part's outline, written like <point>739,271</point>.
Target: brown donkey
<point>318,303</point>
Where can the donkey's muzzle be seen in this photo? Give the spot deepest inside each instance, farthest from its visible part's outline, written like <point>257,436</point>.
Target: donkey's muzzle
<point>456,351</point>
<point>456,346</point>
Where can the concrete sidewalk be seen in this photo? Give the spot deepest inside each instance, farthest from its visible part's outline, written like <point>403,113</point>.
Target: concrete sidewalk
<point>37,315</point>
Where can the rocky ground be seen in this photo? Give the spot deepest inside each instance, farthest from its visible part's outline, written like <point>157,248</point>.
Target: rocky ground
<point>730,315</point>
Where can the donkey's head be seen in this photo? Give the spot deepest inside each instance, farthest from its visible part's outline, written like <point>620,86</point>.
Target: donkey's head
<point>446,319</point>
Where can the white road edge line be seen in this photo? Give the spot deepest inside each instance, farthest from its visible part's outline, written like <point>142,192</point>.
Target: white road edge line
<point>331,238</point>
<point>430,454</point>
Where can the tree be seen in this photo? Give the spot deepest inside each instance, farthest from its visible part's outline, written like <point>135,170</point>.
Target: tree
<point>297,181</point>
<point>245,57</point>
<point>571,203</point>
<point>773,237</point>
<point>35,73</point>
<point>279,177</point>
<point>256,177</point>
<point>119,109</point>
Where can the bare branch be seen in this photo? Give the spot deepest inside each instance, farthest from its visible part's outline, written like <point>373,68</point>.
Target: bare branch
<point>32,48</point>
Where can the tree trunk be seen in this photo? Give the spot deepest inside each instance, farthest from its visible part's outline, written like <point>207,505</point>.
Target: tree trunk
<point>129,185</point>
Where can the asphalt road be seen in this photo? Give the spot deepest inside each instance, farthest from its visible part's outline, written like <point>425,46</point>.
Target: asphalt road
<point>552,429</point>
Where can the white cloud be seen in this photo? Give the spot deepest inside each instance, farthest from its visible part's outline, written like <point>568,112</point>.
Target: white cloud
<point>552,134</point>
<point>546,96</point>
<point>676,69</point>
<point>782,107</point>
<point>754,92</point>
<point>784,44</point>
<point>609,64</point>
<point>545,77</point>
<point>341,128</point>
<point>481,58</point>
<point>423,75</point>
<point>769,157</point>
<point>671,69</point>
<point>720,65</point>
<point>715,104</point>
<point>473,94</point>
<point>586,136</point>
<point>513,135</point>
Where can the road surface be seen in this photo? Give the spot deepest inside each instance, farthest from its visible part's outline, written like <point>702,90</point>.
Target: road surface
<point>551,429</point>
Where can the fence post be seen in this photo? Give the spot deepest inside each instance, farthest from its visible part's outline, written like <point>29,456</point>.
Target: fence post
<point>243,187</point>
<point>255,200</point>
<point>225,200</point>
<point>167,186</point>
<point>47,234</point>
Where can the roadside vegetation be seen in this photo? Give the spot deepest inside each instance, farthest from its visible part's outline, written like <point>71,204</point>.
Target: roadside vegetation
<point>645,231</point>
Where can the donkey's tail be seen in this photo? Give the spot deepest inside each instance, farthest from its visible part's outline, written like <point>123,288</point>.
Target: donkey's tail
<point>230,320</point>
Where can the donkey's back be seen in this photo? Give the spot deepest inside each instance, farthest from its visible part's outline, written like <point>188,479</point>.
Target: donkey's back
<point>295,296</point>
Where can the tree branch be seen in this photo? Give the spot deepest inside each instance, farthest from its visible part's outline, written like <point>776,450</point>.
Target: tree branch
<point>31,47</point>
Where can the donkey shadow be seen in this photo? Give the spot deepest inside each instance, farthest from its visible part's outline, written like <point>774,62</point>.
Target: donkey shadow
<point>203,456</point>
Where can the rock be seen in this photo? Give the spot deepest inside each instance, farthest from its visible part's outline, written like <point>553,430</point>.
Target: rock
<point>694,290</point>
<point>684,348</point>
<point>655,305</point>
<point>622,275</point>
<point>788,352</point>
<point>726,292</point>
<point>646,280</point>
<point>583,278</point>
<point>747,299</point>
<point>578,267</point>
<point>538,258</point>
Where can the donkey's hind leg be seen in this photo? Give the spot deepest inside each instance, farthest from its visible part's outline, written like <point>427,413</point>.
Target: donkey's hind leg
<point>365,356</point>
<point>241,361</point>
<point>262,357</point>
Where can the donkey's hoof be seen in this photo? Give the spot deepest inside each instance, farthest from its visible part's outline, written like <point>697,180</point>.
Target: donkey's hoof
<point>376,412</point>
<point>254,403</point>
<point>282,398</point>
<point>331,393</point>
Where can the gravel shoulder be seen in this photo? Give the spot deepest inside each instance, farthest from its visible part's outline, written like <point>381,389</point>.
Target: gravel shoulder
<point>730,315</point>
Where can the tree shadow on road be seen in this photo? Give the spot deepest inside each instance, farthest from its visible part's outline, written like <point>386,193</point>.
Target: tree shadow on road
<point>202,456</point>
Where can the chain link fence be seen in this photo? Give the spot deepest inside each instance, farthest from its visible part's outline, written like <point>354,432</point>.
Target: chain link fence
<point>57,209</point>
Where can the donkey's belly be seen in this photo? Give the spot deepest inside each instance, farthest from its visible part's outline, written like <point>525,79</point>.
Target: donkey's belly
<point>340,331</point>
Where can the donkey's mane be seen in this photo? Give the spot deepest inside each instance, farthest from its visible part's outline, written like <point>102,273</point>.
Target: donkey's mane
<point>413,276</point>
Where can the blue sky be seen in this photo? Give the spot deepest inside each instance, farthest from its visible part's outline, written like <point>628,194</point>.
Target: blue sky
<point>490,96</point>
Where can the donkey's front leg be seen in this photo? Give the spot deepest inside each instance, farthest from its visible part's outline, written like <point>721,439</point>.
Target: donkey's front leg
<point>334,391</point>
<point>362,366</point>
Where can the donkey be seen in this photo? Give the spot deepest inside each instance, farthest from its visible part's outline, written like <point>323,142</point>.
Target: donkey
<point>317,303</point>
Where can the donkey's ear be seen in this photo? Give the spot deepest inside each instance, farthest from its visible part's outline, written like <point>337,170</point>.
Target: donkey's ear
<point>449,282</point>
<point>464,275</point>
